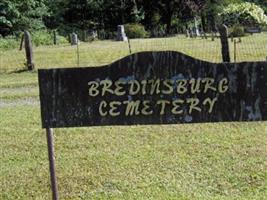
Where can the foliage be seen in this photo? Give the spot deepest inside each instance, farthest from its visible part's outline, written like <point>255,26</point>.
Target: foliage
<point>39,38</point>
<point>135,31</point>
<point>46,38</point>
<point>243,13</point>
<point>8,16</point>
<point>22,15</point>
<point>159,17</point>
<point>237,31</point>
<point>9,43</point>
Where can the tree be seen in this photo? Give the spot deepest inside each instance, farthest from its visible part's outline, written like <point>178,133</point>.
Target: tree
<point>9,15</point>
<point>18,15</point>
<point>245,14</point>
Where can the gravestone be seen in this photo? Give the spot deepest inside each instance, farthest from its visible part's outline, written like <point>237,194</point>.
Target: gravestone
<point>94,34</point>
<point>187,34</point>
<point>121,36</point>
<point>74,39</point>
<point>196,29</point>
<point>191,32</point>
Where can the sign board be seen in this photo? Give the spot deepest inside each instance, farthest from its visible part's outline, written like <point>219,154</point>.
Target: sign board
<point>153,88</point>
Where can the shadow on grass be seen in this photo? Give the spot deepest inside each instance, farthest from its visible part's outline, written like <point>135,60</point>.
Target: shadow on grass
<point>19,71</point>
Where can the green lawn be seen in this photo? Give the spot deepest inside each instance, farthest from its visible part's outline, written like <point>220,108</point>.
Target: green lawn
<point>200,161</point>
<point>252,48</point>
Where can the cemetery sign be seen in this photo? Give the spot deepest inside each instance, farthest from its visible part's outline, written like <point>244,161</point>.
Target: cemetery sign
<point>153,88</point>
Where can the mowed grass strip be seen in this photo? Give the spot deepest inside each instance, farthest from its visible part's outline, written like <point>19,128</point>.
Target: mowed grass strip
<point>252,48</point>
<point>200,161</point>
<point>18,87</point>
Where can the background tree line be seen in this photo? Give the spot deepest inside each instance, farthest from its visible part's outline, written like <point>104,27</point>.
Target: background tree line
<point>161,16</point>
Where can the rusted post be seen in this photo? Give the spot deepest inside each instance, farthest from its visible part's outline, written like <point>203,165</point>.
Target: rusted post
<point>129,45</point>
<point>235,43</point>
<point>28,50</point>
<point>225,44</point>
<point>21,42</point>
<point>52,168</point>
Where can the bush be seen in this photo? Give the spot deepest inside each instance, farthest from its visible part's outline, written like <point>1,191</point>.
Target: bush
<point>62,40</point>
<point>8,43</point>
<point>135,31</point>
<point>243,13</point>
<point>40,38</point>
<point>237,31</point>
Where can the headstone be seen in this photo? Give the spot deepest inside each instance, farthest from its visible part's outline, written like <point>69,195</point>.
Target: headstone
<point>191,33</point>
<point>74,39</point>
<point>196,29</point>
<point>187,33</point>
<point>94,34</point>
<point>121,36</point>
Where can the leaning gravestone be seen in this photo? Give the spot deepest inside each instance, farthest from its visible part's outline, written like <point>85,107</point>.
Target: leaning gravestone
<point>121,35</point>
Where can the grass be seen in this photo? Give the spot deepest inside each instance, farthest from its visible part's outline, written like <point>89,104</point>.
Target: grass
<point>208,161</point>
<point>187,162</point>
<point>252,48</point>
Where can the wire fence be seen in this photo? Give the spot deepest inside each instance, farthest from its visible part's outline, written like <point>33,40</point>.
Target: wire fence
<point>101,52</point>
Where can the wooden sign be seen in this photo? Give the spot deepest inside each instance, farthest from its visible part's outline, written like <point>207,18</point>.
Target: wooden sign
<point>153,88</point>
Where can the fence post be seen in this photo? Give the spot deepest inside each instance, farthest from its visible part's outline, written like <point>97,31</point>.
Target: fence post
<point>21,42</point>
<point>28,50</point>
<point>225,44</point>
<point>55,37</point>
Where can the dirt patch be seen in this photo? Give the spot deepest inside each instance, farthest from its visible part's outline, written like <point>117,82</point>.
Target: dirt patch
<point>19,102</point>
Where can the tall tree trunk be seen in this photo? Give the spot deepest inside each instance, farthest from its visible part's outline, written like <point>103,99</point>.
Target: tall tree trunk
<point>169,15</point>
<point>203,22</point>
<point>168,25</point>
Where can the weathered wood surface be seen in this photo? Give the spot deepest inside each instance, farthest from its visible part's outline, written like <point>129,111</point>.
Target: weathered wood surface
<point>225,49</point>
<point>29,50</point>
<point>101,95</point>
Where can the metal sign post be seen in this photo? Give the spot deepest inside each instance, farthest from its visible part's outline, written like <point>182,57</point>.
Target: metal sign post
<point>51,156</point>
